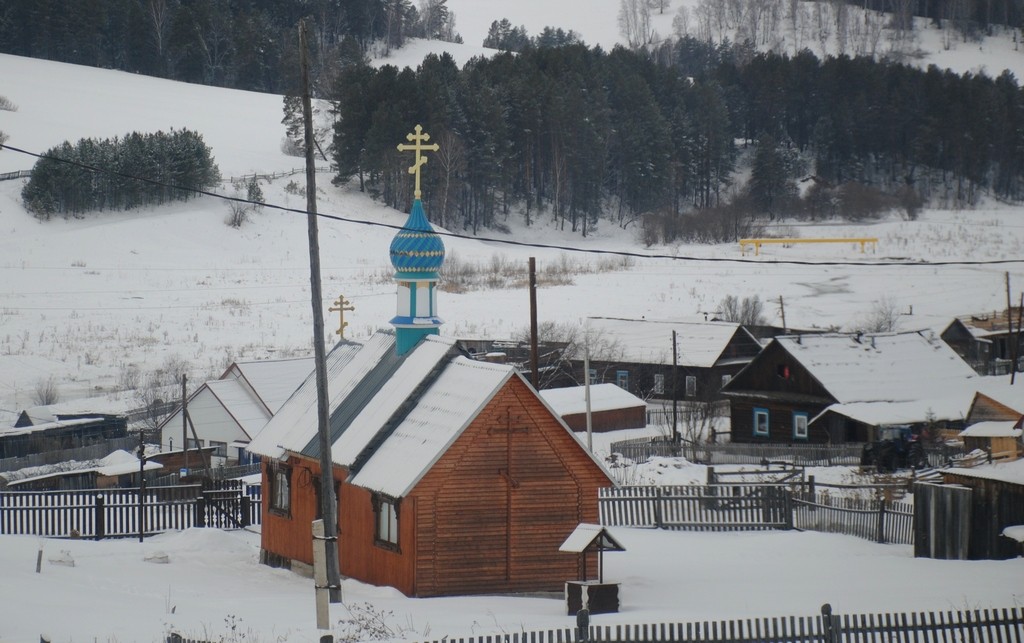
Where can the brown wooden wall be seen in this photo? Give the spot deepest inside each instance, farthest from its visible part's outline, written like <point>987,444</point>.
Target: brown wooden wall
<point>985,409</point>
<point>610,420</point>
<point>291,536</point>
<point>493,511</point>
<point>780,421</point>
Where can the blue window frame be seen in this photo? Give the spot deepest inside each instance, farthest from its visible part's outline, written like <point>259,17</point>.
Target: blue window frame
<point>800,425</point>
<point>622,379</point>
<point>761,422</point>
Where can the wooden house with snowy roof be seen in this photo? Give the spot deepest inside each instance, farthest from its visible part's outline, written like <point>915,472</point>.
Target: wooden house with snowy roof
<point>452,475</point>
<point>638,356</point>
<point>836,388</point>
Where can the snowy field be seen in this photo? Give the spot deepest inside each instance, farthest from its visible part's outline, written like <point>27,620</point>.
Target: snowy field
<point>86,301</point>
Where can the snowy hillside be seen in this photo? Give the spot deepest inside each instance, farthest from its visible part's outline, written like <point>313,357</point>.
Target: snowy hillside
<point>91,302</point>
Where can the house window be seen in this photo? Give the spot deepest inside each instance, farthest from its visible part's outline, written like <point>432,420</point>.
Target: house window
<point>592,374</point>
<point>622,379</point>
<point>194,444</point>
<point>726,379</point>
<point>782,370</point>
<point>280,490</point>
<point>691,386</point>
<point>761,422</point>
<point>659,383</point>
<point>219,448</point>
<point>386,532</point>
<point>799,425</point>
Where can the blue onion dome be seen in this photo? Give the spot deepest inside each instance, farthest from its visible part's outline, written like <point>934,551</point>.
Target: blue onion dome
<point>417,248</point>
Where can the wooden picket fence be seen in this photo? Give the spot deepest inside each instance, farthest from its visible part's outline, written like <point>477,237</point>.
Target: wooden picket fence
<point>972,626</point>
<point>726,507</point>
<point>697,508</point>
<point>115,513</point>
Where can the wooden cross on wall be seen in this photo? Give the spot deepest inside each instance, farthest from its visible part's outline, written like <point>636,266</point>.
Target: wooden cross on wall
<point>509,430</point>
<point>340,306</point>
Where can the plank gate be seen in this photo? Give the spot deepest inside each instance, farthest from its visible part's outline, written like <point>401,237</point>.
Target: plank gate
<point>973,626</point>
<point>114,513</point>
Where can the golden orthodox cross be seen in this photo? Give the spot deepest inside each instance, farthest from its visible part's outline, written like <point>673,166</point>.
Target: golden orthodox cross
<point>418,139</point>
<point>340,306</point>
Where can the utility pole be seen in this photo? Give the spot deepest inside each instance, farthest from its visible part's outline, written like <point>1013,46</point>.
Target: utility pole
<point>534,368</point>
<point>328,499</point>
<point>675,390</point>
<point>184,422</point>
<point>782,311</point>
<point>142,485</point>
<point>1009,330</point>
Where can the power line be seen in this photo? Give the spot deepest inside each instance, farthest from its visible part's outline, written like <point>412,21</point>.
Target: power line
<point>524,244</point>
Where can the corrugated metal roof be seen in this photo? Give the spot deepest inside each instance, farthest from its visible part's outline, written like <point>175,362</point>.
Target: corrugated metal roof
<point>274,380</point>
<point>236,399</point>
<point>439,416</point>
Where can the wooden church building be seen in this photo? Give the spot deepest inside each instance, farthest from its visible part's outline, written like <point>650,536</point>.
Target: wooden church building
<point>452,475</point>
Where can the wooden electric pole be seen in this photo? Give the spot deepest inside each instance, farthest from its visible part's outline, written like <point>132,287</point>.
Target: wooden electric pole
<point>782,311</point>
<point>534,368</point>
<point>328,499</point>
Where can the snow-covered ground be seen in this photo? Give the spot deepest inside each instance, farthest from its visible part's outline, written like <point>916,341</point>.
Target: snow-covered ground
<point>212,587</point>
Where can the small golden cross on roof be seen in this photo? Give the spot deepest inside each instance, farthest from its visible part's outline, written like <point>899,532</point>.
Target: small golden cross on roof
<point>340,306</point>
<point>418,139</point>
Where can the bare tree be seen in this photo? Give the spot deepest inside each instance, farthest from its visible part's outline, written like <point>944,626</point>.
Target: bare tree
<point>884,317</point>
<point>749,312</point>
<point>635,22</point>
<point>46,392</point>
<point>681,22</point>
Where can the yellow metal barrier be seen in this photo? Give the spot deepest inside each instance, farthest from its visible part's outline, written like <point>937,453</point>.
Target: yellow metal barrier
<point>863,241</point>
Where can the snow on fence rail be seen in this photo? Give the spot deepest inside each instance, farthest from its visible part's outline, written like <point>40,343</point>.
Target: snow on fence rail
<point>1001,625</point>
<point>822,455</point>
<point>754,507</point>
<point>114,513</point>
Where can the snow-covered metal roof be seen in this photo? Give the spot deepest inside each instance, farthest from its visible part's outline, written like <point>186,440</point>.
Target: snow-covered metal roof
<point>889,367</point>
<point>391,416</point>
<point>236,399</point>
<point>992,429</point>
<point>274,380</point>
<point>644,341</point>
<point>603,397</point>
<point>439,416</point>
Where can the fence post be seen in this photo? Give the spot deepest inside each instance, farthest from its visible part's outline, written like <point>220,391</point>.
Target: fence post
<point>99,516</point>
<point>787,507</point>
<point>246,505</point>
<point>881,522</point>
<point>200,518</point>
<point>658,499</point>
<point>829,632</point>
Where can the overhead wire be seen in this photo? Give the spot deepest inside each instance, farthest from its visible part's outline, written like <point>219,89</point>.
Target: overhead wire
<point>512,242</point>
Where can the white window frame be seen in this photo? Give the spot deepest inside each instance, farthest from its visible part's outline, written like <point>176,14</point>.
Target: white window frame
<point>800,421</point>
<point>726,379</point>
<point>659,383</point>
<point>759,413</point>
<point>281,490</point>
<point>691,386</point>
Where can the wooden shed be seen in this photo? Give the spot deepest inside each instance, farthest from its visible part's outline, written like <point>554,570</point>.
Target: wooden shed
<point>453,475</point>
<point>997,502</point>
<point>611,408</point>
<point>1001,439</point>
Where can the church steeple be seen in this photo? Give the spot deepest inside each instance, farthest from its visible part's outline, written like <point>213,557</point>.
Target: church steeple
<point>417,253</point>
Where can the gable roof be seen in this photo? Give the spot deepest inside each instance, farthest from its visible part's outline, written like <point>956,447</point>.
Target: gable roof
<point>273,380</point>
<point>391,416</point>
<point>645,341</point>
<point>250,414</point>
<point>887,367</point>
